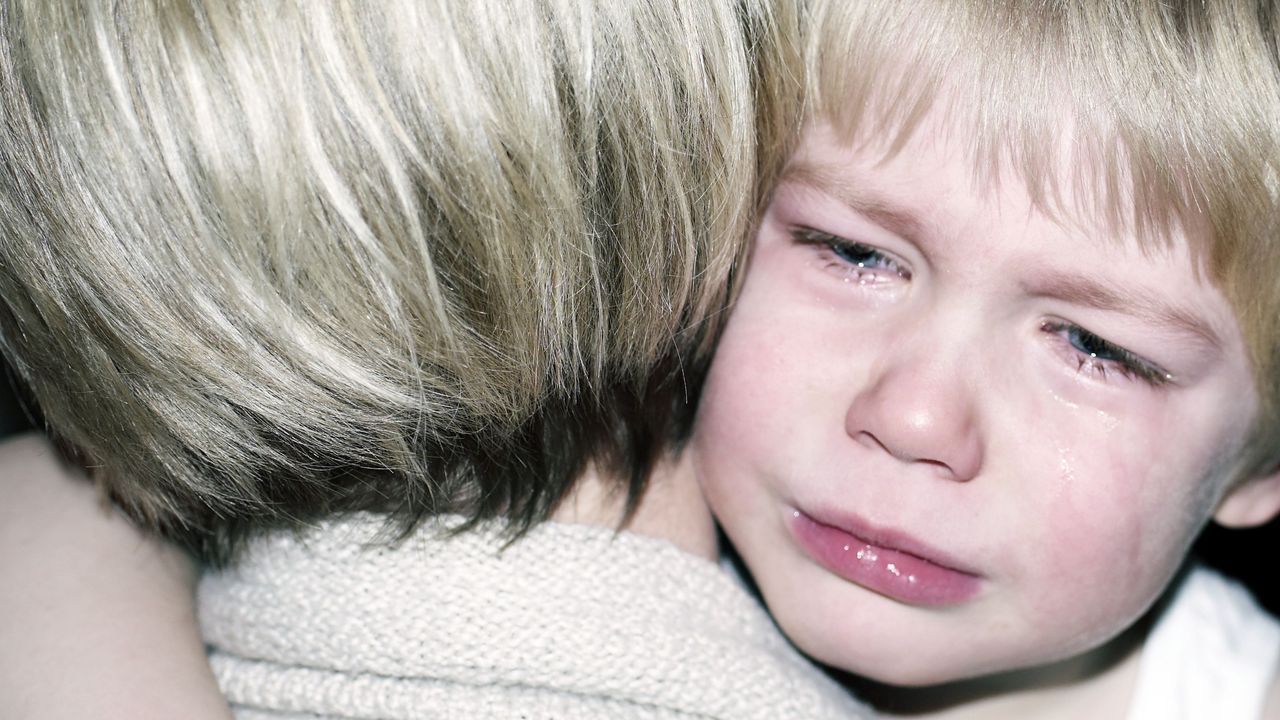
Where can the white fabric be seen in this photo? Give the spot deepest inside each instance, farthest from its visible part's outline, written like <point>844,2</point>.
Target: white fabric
<point>1212,654</point>
<point>568,622</point>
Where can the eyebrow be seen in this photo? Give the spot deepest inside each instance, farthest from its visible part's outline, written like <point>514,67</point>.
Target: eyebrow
<point>1094,293</point>
<point>891,217</point>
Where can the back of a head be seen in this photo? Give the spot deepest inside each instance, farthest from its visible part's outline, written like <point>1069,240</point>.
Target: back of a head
<point>264,261</point>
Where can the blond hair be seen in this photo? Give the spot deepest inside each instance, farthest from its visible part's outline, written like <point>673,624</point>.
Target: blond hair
<point>264,261</point>
<point>1167,113</point>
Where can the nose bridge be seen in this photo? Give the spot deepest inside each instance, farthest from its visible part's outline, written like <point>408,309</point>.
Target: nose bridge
<point>919,403</point>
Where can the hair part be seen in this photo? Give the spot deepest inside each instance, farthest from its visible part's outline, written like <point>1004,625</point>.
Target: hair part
<point>1164,115</point>
<point>262,262</point>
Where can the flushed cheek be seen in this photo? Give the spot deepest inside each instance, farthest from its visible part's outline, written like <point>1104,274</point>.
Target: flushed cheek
<point>749,382</point>
<point>1111,540</point>
<point>1092,538</point>
<point>743,416</point>
<point>778,379</point>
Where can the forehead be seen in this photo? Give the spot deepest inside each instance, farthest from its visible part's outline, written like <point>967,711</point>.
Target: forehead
<point>940,162</point>
<point>1111,104</point>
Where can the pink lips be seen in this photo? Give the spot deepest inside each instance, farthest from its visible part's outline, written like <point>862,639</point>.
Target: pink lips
<point>885,562</point>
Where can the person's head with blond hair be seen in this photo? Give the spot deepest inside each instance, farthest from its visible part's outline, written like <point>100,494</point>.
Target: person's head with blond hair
<point>1009,338</point>
<point>263,262</point>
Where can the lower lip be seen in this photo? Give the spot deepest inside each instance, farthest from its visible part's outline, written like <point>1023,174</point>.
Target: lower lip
<point>893,573</point>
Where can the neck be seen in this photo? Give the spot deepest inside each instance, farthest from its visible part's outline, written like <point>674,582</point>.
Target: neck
<point>672,507</point>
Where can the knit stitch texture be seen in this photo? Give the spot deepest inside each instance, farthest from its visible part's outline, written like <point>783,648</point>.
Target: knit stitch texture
<point>569,622</point>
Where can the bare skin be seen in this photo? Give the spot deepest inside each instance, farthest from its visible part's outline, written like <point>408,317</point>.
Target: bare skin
<point>101,618</point>
<point>105,624</point>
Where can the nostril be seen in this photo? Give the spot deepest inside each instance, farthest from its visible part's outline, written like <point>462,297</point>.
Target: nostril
<point>943,469</point>
<point>866,438</point>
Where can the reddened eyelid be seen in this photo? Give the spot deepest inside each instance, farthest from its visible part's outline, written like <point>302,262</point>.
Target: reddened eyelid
<point>845,247</point>
<point>1108,353</point>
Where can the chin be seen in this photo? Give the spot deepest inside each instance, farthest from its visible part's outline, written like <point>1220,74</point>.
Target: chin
<point>848,651</point>
<point>907,659</point>
<point>903,669</point>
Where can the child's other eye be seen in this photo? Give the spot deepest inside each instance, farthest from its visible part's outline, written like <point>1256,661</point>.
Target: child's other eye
<point>853,260</point>
<point>1103,360</point>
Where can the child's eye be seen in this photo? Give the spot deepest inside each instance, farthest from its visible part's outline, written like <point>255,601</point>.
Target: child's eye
<point>853,259</point>
<point>1102,359</point>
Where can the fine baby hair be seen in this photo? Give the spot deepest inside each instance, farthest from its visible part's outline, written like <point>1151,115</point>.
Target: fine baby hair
<point>264,262</point>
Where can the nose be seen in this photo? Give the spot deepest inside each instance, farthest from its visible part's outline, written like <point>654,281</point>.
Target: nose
<point>920,414</point>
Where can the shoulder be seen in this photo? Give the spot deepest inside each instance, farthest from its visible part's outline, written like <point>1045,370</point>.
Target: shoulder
<point>1211,621</point>
<point>1271,706</point>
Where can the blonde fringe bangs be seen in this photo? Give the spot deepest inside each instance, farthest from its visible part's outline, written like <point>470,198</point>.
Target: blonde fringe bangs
<point>1165,115</point>
<point>258,255</point>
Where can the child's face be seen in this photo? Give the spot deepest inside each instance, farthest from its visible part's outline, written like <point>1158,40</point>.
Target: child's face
<point>950,436</point>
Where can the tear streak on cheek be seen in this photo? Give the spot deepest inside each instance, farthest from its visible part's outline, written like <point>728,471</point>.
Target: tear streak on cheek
<point>1095,530</point>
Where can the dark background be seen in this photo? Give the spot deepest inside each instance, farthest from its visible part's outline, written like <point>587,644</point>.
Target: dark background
<point>1249,555</point>
<point>12,417</point>
<point>1246,554</point>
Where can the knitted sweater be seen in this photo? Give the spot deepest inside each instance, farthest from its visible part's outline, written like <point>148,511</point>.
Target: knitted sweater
<point>569,622</point>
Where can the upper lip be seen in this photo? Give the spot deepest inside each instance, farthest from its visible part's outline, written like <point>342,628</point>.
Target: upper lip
<point>890,539</point>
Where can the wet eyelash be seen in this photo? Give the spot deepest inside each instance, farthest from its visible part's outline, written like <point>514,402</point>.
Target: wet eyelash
<point>1094,354</point>
<point>855,255</point>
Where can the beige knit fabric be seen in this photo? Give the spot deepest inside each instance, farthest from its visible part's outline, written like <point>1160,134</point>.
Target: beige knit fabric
<point>569,622</point>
